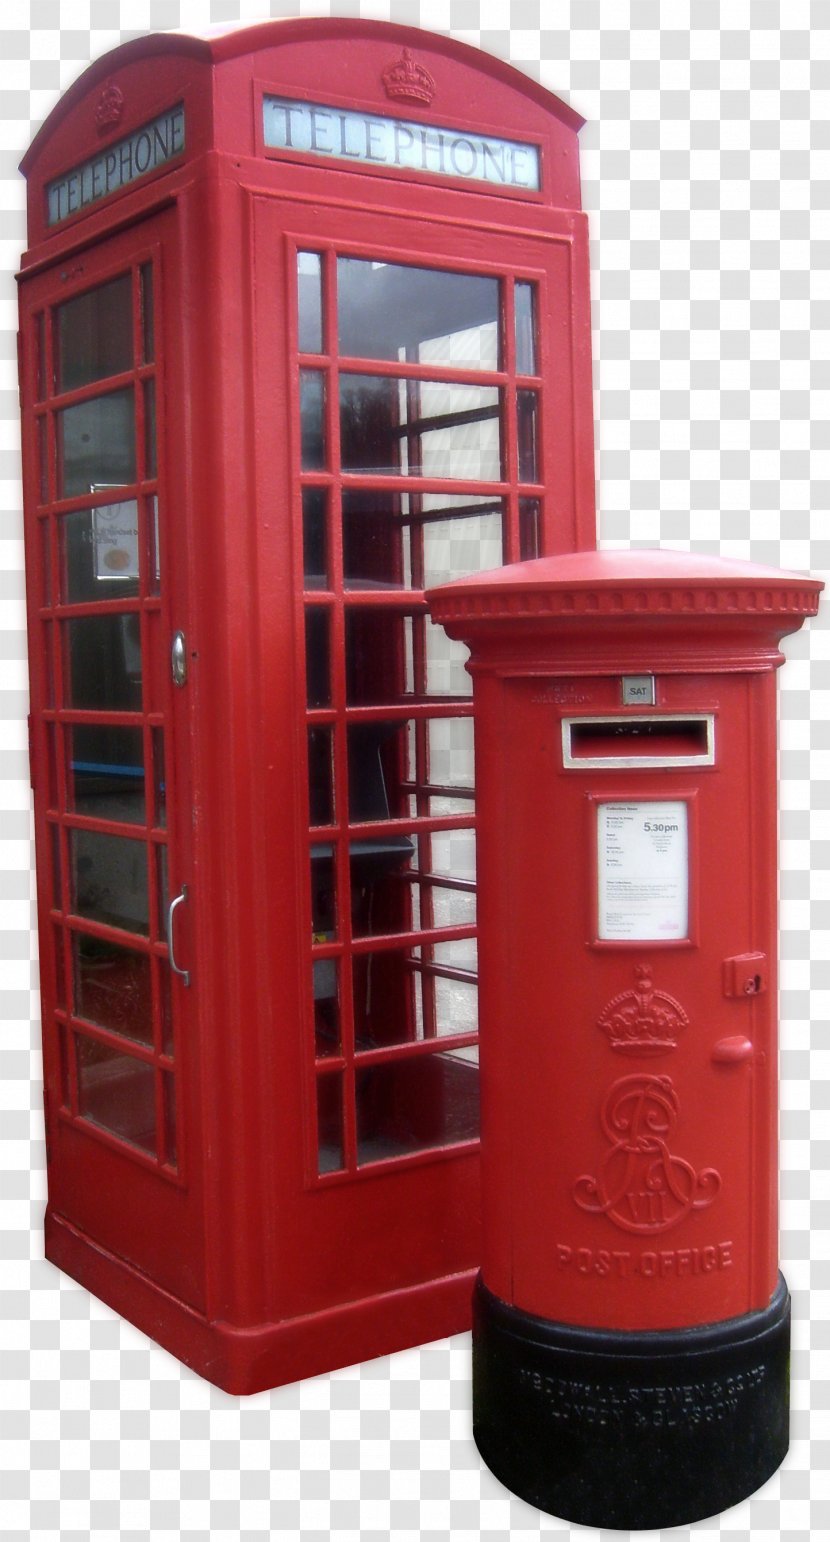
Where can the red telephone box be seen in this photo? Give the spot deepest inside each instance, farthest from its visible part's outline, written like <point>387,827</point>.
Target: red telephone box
<point>631,1338</point>
<point>304,329</point>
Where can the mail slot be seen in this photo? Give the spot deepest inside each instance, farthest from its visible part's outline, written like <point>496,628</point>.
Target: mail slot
<point>667,740</point>
<point>631,1326</point>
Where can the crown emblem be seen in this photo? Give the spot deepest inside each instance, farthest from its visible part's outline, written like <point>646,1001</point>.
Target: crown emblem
<point>110,108</point>
<point>408,81</point>
<point>643,1021</point>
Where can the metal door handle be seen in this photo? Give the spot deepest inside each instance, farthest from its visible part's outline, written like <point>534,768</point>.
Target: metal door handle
<point>171,910</point>
<point>733,1051</point>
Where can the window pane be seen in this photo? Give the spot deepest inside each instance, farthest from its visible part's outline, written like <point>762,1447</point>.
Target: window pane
<point>386,998</point>
<point>324,979</point>
<point>525,297</point>
<point>446,659</point>
<point>168,1089</point>
<point>94,335</point>
<point>112,987</point>
<point>150,458</point>
<point>377,764</point>
<point>100,553</point>
<point>148,313</point>
<point>117,1092</point>
<point>40,356</point>
<point>530,535</point>
<point>383,901</point>
<point>423,315</point>
<point>414,1105</point>
<point>43,460</point>
<point>315,542</point>
<point>323,904</point>
<point>374,656</point>
<point>317,657</point>
<point>450,741</point>
<point>104,662</point>
<point>312,428</point>
<point>527,411</point>
<point>96,444</point>
<point>159,780</point>
<point>463,543</point>
<point>106,772</point>
<point>320,776</point>
<point>330,1123</point>
<point>309,302</point>
<point>420,428</point>
<point>109,879</point>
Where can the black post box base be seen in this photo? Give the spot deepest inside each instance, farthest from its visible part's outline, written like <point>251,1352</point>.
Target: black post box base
<point>631,1430</point>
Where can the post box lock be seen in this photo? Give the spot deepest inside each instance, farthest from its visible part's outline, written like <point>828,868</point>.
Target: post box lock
<point>745,974</point>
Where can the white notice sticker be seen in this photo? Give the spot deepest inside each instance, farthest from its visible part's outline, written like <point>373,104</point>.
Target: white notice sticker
<point>643,871</point>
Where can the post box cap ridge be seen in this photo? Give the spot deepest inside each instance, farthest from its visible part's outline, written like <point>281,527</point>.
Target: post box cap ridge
<point>628,582</point>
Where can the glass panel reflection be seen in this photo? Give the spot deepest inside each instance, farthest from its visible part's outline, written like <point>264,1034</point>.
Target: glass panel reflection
<point>94,335</point>
<point>525,303</point>
<point>117,1092</point>
<point>96,444</point>
<point>420,428</point>
<point>104,662</point>
<point>325,986</point>
<point>530,535</point>
<point>106,772</point>
<point>415,1104</point>
<point>527,413</point>
<point>312,425</point>
<point>423,315</point>
<point>309,302</point>
<point>99,550</point>
<point>112,987</point>
<point>109,879</point>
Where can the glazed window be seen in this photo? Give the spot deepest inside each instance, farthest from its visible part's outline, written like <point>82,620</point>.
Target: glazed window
<point>100,455</point>
<point>432,376</point>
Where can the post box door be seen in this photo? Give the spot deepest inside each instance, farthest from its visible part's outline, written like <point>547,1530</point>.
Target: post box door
<point>105,593</point>
<point>642,1172</point>
<point>430,383</point>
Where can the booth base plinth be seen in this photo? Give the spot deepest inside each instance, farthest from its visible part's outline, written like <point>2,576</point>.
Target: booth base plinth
<point>631,1430</point>
<point>243,1360</point>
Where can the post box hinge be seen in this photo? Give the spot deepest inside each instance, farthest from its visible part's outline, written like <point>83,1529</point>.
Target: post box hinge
<point>745,974</point>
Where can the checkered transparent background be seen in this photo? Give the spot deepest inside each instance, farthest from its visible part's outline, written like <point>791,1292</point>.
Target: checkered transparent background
<point>705,159</point>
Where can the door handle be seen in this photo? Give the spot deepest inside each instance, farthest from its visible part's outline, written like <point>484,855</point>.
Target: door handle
<point>171,911</point>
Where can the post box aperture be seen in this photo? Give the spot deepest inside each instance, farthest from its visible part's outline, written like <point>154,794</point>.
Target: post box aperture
<point>304,332</point>
<point>631,1338</point>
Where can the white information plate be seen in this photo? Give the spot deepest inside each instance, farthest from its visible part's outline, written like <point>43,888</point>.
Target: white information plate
<point>643,871</point>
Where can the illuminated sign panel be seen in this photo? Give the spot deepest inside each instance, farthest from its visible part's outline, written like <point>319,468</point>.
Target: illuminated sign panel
<point>368,140</point>
<point>120,164</point>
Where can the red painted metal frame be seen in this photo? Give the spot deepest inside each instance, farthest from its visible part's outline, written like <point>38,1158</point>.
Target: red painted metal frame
<point>261,1271</point>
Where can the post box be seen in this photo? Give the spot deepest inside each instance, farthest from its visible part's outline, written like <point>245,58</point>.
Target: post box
<point>304,329</point>
<point>631,1326</point>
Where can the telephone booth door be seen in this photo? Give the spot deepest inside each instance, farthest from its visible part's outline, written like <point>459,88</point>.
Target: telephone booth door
<point>430,411</point>
<point>106,582</point>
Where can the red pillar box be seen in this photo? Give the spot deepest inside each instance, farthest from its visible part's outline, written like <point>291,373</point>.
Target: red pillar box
<point>632,1329</point>
<point>304,329</point>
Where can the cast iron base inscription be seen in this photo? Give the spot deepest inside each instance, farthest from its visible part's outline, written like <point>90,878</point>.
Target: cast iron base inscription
<point>631,1430</point>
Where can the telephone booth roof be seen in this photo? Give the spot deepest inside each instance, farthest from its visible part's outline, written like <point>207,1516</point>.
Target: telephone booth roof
<point>399,73</point>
